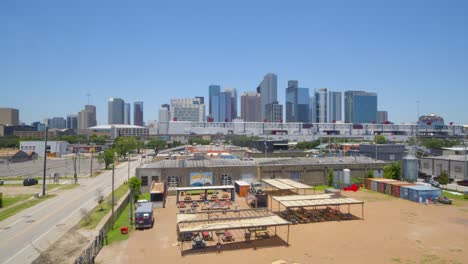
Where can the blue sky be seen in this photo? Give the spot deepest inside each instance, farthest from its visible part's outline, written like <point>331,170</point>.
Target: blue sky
<point>52,53</point>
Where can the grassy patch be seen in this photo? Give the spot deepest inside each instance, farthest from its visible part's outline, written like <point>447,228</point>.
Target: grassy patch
<point>321,187</point>
<point>145,196</point>
<point>453,196</point>
<point>9,200</point>
<point>123,220</point>
<point>20,207</point>
<point>95,216</point>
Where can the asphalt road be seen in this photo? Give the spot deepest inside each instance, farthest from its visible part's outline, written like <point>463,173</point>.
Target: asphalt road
<point>24,235</point>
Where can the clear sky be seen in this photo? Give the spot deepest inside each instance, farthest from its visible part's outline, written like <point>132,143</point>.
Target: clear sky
<point>52,53</point>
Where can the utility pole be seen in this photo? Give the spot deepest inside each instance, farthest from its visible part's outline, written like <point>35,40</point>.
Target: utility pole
<point>45,163</point>
<point>75,176</point>
<point>91,166</point>
<point>113,201</point>
<point>79,154</point>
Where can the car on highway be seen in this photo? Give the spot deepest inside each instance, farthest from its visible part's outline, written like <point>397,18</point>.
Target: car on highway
<point>29,182</point>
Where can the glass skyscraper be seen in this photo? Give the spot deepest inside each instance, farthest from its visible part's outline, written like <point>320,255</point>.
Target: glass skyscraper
<point>213,90</point>
<point>360,107</point>
<point>222,107</point>
<point>297,103</point>
<point>115,111</point>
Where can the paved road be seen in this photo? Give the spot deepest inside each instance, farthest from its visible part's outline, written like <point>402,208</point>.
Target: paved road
<point>35,229</point>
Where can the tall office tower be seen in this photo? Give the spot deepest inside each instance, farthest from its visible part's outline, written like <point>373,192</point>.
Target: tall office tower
<point>72,121</point>
<point>87,117</point>
<point>115,111</point>
<point>9,116</point>
<point>187,109</point>
<point>334,107</point>
<point>250,107</point>
<point>213,90</point>
<point>274,112</point>
<point>382,117</point>
<point>127,111</point>
<point>360,107</point>
<point>321,105</point>
<point>297,103</point>
<point>57,122</point>
<point>312,109</point>
<point>138,114</point>
<point>233,93</point>
<point>164,113</point>
<point>222,107</point>
<point>268,92</point>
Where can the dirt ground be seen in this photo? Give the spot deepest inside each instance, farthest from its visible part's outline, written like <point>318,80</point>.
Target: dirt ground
<point>16,190</point>
<point>393,231</point>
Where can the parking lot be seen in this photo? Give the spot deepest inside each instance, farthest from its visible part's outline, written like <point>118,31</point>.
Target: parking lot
<point>393,231</point>
<point>62,166</point>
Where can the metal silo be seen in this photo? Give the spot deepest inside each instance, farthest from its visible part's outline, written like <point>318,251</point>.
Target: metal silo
<point>410,168</point>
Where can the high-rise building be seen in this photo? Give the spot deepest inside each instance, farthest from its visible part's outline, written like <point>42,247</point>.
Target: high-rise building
<point>87,117</point>
<point>233,93</point>
<point>268,92</point>
<point>213,90</point>
<point>187,109</point>
<point>334,107</point>
<point>382,117</point>
<point>56,122</point>
<point>360,107</point>
<point>138,114</point>
<point>72,121</point>
<point>164,119</point>
<point>115,111</point>
<point>321,105</point>
<point>222,107</point>
<point>297,103</point>
<point>127,111</point>
<point>9,116</point>
<point>274,112</point>
<point>312,109</point>
<point>250,107</point>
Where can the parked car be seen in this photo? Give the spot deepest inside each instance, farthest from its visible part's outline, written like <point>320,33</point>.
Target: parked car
<point>434,183</point>
<point>144,215</point>
<point>444,200</point>
<point>29,182</point>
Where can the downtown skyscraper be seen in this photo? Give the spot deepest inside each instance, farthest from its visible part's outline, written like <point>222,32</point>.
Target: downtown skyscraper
<point>328,106</point>
<point>297,103</point>
<point>127,111</point>
<point>250,107</point>
<point>268,93</point>
<point>360,107</point>
<point>138,114</point>
<point>212,91</point>
<point>115,111</point>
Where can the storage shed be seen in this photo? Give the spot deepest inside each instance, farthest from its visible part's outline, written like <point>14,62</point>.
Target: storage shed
<point>241,188</point>
<point>416,192</point>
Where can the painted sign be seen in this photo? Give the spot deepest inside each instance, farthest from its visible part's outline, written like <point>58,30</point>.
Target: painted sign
<point>201,178</point>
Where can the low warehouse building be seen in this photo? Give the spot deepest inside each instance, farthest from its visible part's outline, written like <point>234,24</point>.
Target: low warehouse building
<point>313,171</point>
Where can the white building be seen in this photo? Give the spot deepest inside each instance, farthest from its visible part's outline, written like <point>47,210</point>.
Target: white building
<point>122,130</point>
<point>187,109</point>
<point>57,147</point>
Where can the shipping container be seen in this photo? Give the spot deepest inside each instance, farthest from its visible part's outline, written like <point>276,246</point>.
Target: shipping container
<point>367,183</point>
<point>396,188</point>
<point>418,193</point>
<point>374,185</point>
<point>388,188</point>
<point>241,188</point>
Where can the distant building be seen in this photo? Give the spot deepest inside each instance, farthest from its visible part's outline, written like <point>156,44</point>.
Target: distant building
<point>13,156</point>
<point>274,112</point>
<point>233,93</point>
<point>431,120</point>
<point>334,107</point>
<point>115,111</point>
<point>38,126</point>
<point>72,121</point>
<point>9,116</point>
<point>454,165</point>
<point>360,107</point>
<point>57,122</point>
<point>250,107</point>
<point>312,109</point>
<point>213,90</point>
<point>122,130</point>
<point>87,117</point>
<point>57,148</point>
<point>382,117</point>
<point>138,114</point>
<point>189,109</point>
<point>321,105</point>
<point>387,152</point>
<point>268,89</point>
<point>127,111</point>
<point>297,103</point>
<point>222,107</point>
<point>164,118</point>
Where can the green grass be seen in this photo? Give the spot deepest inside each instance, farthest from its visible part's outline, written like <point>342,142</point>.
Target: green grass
<point>321,187</point>
<point>198,192</point>
<point>7,201</point>
<point>68,186</point>
<point>453,196</point>
<point>96,214</point>
<point>20,207</point>
<point>145,196</point>
<point>123,220</point>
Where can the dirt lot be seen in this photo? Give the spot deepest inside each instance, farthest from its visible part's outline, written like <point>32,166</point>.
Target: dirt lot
<point>16,190</point>
<point>393,231</point>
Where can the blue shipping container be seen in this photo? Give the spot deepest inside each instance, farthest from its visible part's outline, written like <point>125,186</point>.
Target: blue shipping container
<point>414,193</point>
<point>374,186</point>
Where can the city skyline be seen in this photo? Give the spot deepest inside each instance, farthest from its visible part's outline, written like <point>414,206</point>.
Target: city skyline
<point>404,52</point>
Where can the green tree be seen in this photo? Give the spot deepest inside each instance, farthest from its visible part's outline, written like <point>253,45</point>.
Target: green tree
<point>199,141</point>
<point>134,185</point>
<point>175,143</point>
<point>331,174</point>
<point>370,174</point>
<point>106,157</point>
<point>308,144</point>
<point>98,140</point>
<point>380,139</point>
<point>242,140</point>
<point>9,142</point>
<point>156,145</point>
<point>392,171</point>
<point>443,178</point>
<point>125,145</point>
